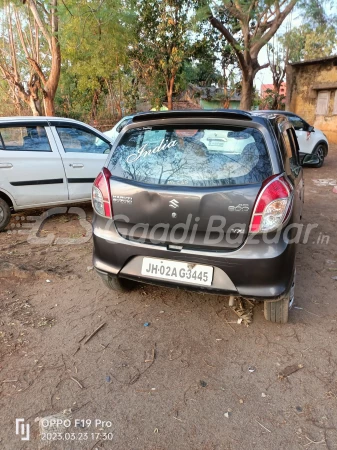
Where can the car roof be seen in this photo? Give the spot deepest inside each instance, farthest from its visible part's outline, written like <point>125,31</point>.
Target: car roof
<point>43,119</point>
<point>38,119</point>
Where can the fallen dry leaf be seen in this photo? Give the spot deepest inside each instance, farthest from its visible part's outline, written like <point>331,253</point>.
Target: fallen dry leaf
<point>289,370</point>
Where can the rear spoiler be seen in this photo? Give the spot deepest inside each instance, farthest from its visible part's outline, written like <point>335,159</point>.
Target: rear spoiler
<point>183,114</point>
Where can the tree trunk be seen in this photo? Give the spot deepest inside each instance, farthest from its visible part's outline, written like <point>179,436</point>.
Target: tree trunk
<point>34,107</point>
<point>247,91</point>
<point>119,110</point>
<point>94,104</point>
<point>49,107</point>
<point>33,95</point>
<point>170,94</point>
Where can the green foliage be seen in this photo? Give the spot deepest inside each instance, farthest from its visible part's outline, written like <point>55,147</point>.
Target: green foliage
<point>306,42</point>
<point>162,30</point>
<point>272,100</point>
<point>115,52</point>
<point>95,39</point>
<point>316,37</point>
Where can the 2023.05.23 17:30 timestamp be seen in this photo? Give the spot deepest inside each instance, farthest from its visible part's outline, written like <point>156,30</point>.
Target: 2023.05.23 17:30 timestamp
<point>82,436</point>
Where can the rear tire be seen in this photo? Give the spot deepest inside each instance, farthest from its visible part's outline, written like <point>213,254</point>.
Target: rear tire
<point>5,214</point>
<point>118,284</point>
<point>320,152</point>
<point>278,312</point>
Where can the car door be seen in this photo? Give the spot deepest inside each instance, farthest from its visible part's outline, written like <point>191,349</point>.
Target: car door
<point>31,168</point>
<point>293,167</point>
<point>304,136</point>
<point>84,153</point>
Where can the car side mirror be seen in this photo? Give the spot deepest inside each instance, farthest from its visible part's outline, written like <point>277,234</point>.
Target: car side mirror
<point>311,129</point>
<point>310,160</point>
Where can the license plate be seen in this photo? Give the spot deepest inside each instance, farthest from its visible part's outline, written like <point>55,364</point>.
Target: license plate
<point>178,271</point>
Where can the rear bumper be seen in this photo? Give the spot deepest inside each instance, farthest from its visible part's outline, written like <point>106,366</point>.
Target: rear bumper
<point>256,270</point>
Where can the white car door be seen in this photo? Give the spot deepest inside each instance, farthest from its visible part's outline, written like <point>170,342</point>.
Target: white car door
<point>83,153</point>
<point>31,169</point>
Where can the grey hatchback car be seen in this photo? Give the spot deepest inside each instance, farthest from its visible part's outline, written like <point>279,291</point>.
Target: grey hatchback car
<point>202,200</point>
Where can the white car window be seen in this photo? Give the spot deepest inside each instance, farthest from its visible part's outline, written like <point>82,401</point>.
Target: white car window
<point>76,140</point>
<point>297,123</point>
<point>30,139</point>
<point>123,124</point>
<point>226,141</point>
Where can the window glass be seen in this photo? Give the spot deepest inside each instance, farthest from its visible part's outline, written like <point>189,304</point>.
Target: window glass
<point>123,124</point>
<point>335,104</point>
<point>294,144</point>
<point>192,157</point>
<point>297,123</point>
<point>287,144</point>
<point>30,139</point>
<point>291,151</point>
<point>76,140</point>
<point>322,105</point>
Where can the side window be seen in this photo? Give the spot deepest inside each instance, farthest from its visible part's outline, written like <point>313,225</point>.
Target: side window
<point>122,125</point>
<point>291,150</point>
<point>287,144</point>
<point>76,140</point>
<point>322,104</point>
<point>294,143</point>
<point>335,104</point>
<point>297,123</point>
<point>28,139</point>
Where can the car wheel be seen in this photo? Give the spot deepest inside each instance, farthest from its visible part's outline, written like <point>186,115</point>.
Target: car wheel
<point>278,311</point>
<point>5,214</point>
<point>319,151</point>
<point>118,284</point>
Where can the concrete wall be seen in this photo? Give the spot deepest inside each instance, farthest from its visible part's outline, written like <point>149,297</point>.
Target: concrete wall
<point>304,81</point>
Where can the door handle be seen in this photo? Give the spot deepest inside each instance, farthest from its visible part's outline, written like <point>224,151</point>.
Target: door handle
<point>76,166</point>
<point>6,165</point>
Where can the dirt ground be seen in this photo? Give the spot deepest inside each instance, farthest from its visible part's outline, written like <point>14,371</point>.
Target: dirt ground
<point>192,379</point>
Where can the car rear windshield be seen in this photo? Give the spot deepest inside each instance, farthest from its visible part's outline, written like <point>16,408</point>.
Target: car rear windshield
<point>192,157</point>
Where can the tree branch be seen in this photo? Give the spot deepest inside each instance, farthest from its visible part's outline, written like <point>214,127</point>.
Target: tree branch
<point>37,69</point>
<point>230,38</point>
<point>12,45</point>
<point>280,16</point>
<point>32,6</point>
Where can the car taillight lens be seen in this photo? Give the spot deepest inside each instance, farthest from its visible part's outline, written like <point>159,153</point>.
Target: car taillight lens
<point>272,206</point>
<point>101,195</point>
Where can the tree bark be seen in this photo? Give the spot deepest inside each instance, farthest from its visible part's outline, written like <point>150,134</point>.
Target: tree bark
<point>119,109</point>
<point>50,84</point>
<point>247,91</point>
<point>49,107</point>
<point>170,94</point>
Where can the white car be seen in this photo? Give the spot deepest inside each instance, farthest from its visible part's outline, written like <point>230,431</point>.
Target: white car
<point>114,132</point>
<point>310,140</point>
<point>47,161</point>
<point>228,142</point>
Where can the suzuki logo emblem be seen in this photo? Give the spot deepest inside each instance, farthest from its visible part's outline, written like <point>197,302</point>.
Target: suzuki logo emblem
<point>174,203</point>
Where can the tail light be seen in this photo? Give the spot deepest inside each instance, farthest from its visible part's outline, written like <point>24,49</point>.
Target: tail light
<point>273,205</point>
<point>101,195</point>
